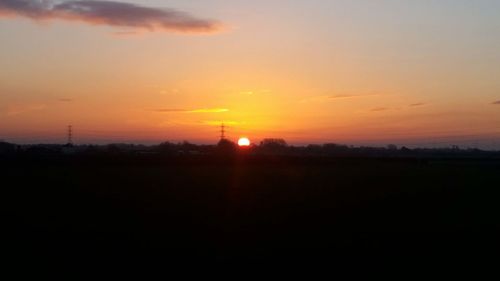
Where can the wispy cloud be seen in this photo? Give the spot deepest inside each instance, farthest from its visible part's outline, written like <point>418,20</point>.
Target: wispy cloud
<point>201,110</point>
<point>496,102</point>
<point>17,109</point>
<point>65,100</point>
<point>333,97</point>
<point>418,104</point>
<point>254,92</point>
<point>336,97</point>
<point>217,123</point>
<point>167,110</point>
<point>111,13</point>
<point>125,33</point>
<point>209,110</point>
<point>377,109</point>
<point>314,99</point>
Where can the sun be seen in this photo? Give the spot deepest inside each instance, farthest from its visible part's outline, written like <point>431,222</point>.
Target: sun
<point>244,142</point>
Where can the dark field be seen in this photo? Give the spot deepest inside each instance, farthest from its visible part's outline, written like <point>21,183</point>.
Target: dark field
<point>251,209</point>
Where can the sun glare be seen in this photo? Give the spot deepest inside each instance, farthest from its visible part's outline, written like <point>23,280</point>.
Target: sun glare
<point>244,142</point>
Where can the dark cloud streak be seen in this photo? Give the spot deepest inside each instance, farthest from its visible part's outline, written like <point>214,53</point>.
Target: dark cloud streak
<point>166,110</point>
<point>109,13</point>
<point>350,96</point>
<point>377,109</point>
<point>200,110</point>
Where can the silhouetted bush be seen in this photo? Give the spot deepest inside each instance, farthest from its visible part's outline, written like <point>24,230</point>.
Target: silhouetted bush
<point>167,148</point>
<point>7,148</point>
<point>273,143</point>
<point>226,147</point>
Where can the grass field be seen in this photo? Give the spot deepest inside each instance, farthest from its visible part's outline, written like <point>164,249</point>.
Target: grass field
<point>252,208</point>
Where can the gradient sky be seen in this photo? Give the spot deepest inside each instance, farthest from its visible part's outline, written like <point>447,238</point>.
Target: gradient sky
<point>414,72</point>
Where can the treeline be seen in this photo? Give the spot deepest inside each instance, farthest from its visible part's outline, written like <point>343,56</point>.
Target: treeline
<point>276,147</point>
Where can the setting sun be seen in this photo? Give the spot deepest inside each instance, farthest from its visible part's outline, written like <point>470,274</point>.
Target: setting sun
<point>244,142</point>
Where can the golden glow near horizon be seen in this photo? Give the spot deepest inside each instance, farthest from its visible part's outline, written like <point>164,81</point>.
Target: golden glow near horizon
<point>328,71</point>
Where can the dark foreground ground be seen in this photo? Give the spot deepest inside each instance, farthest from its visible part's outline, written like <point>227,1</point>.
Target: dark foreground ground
<point>272,210</point>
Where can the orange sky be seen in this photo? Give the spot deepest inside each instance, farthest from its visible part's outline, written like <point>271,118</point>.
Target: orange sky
<point>307,71</point>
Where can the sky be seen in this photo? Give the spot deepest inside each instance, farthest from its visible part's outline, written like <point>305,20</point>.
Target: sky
<point>362,72</point>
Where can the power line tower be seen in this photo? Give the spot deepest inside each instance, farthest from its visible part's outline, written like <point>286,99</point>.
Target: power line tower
<point>222,131</point>
<point>70,134</point>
